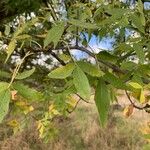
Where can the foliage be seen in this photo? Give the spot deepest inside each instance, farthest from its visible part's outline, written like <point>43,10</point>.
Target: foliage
<point>55,30</point>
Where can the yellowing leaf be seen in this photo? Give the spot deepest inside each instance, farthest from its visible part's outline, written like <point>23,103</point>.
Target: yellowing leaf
<point>128,110</point>
<point>135,85</point>
<point>13,94</point>
<point>71,101</point>
<point>21,103</point>
<point>52,110</point>
<point>25,107</point>
<point>146,131</point>
<point>13,123</point>
<point>31,108</point>
<point>62,72</point>
<point>142,96</point>
<point>28,93</point>
<point>139,95</point>
<point>28,109</point>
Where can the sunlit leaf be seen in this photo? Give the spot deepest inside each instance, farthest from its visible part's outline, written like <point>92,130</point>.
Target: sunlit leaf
<point>54,34</point>
<point>90,69</point>
<point>28,93</point>
<point>4,103</point>
<point>62,72</point>
<point>25,74</point>
<point>10,49</point>
<point>135,85</point>
<point>7,30</point>
<point>81,83</point>
<point>139,52</point>
<point>82,24</point>
<point>3,86</point>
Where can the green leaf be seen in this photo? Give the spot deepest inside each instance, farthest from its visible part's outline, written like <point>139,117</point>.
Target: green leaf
<point>7,30</point>
<point>4,103</point>
<point>4,74</point>
<point>23,37</point>
<point>54,34</point>
<point>25,26</point>
<point>129,65</point>
<point>81,83</point>
<point>123,47</point>
<point>11,48</point>
<point>137,23</point>
<point>90,69</point>
<point>65,57</point>
<point>102,100</point>
<point>140,6</point>
<point>28,93</point>
<point>147,136</point>
<point>25,74</point>
<point>106,56</point>
<point>142,18</point>
<point>113,80</point>
<point>146,147</point>
<point>82,24</point>
<point>62,72</point>
<point>3,86</point>
<point>117,12</point>
<point>139,52</point>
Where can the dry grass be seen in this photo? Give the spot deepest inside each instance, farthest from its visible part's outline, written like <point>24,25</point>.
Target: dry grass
<point>81,131</point>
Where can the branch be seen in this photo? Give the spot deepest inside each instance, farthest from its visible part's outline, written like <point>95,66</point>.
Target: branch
<point>83,99</point>
<point>74,107</point>
<point>112,66</point>
<point>83,49</point>
<point>146,107</point>
<point>60,60</point>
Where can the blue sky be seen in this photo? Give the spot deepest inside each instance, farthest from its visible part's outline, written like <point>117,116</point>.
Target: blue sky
<point>105,43</point>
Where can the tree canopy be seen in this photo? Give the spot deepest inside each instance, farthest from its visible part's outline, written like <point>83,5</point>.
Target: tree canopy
<point>40,73</point>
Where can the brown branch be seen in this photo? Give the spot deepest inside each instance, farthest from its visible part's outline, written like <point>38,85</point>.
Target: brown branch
<point>74,107</point>
<point>83,99</point>
<point>83,49</point>
<point>56,57</point>
<point>112,66</point>
<point>146,107</point>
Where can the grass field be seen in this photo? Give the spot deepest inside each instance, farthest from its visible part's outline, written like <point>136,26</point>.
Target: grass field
<point>81,131</point>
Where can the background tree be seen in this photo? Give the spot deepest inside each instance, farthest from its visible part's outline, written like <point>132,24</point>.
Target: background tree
<point>39,73</point>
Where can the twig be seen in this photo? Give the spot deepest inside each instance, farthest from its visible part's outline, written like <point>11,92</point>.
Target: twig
<point>60,60</point>
<point>17,69</point>
<point>146,107</point>
<point>74,107</point>
<point>83,99</point>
